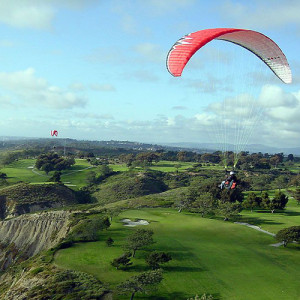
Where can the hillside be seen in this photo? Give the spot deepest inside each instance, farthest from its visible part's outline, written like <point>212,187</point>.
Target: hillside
<point>27,235</point>
<point>28,198</point>
<point>129,185</point>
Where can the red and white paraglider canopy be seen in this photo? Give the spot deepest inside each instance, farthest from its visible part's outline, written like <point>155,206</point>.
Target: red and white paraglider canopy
<point>54,132</point>
<point>262,46</point>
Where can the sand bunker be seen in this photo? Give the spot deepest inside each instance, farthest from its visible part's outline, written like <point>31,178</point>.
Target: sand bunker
<point>129,223</point>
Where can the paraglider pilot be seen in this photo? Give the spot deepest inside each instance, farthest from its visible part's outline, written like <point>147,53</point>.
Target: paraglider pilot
<point>230,182</point>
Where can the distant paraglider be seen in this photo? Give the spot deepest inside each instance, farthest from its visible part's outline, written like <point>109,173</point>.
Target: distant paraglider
<point>54,133</point>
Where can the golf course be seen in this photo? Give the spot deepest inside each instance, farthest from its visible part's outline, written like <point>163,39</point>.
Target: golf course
<point>211,256</point>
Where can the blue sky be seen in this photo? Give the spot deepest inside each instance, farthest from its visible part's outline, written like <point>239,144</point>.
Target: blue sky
<point>96,70</point>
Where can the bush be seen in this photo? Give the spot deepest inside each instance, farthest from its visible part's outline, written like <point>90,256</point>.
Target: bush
<point>288,235</point>
<point>87,230</point>
<point>67,285</point>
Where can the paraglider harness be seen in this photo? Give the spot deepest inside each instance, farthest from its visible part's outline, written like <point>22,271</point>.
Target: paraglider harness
<point>230,182</point>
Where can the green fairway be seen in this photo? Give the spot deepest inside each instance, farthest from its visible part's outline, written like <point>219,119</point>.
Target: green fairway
<point>23,170</point>
<point>276,221</point>
<point>163,166</point>
<point>227,260</point>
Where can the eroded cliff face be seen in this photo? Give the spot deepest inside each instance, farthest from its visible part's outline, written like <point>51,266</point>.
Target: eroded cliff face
<point>27,235</point>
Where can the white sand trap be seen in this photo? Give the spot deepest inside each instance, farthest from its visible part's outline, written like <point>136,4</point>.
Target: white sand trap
<point>129,223</point>
<point>31,167</point>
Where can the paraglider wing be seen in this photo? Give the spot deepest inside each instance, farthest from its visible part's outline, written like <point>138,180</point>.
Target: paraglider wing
<point>262,46</point>
<point>54,132</point>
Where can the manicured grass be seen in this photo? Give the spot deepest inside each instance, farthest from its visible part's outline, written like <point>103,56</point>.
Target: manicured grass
<point>290,216</point>
<point>163,166</point>
<point>22,170</point>
<point>170,166</point>
<point>227,260</point>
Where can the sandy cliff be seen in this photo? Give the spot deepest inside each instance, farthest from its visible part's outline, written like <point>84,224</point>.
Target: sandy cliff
<point>27,235</point>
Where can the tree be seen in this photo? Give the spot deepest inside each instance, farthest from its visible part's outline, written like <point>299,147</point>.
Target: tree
<point>252,201</point>
<point>276,159</point>
<point>146,158</point>
<point>104,170</point>
<point>127,158</point>
<point>55,177</point>
<point>288,235</point>
<point>295,180</point>
<point>139,239</point>
<point>124,260</point>
<point>231,195</point>
<point>109,242</point>
<point>296,195</point>
<point>88,230</point>
<point>91,178</point>
<point>52,161</point>
<point>177,166</point>
<point>181,155</point>
<point>278,202</point>
<point>265,200</point>
<point>228,209</point>
<point>141,283</point>
<point>113,212</point>
<point>281,181</point>
<point>47,168</point>
<point>204,204</point>
<point>3,175</point>
<point>9,158</point>
<point>260,182</point>
<point>187,199</point>
<point>154,259</point>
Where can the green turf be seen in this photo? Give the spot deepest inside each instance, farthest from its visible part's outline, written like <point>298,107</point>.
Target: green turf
<point>227,260</point>
<point>163,166</point>
<point>22,170</point>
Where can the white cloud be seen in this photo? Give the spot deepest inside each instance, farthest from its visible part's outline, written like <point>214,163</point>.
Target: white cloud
<point>166,6</point>
<point>151,52</point>
<point>35,14</point>
<point>103,87</point>
<point>6,102</point>
<point>263,14</point>
<point>209,84</point>
<point>94,116</point>
<point>274,96</point>
<point>179,107</point>
<point>107,55</point>
<point>77,86</point>
<point>26,14</point>
<point>24,86</point>
<point>143,75</point>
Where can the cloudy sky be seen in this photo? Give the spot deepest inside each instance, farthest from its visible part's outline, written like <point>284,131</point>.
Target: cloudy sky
<point>96,70</point>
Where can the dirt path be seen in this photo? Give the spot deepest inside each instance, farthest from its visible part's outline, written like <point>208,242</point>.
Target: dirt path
<point>259,229</point>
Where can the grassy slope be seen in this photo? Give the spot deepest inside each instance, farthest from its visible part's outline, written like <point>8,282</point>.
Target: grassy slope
<point>228,260</point>
<point>276,221</point>
<point>20,171</point>
<point>163,166</point>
